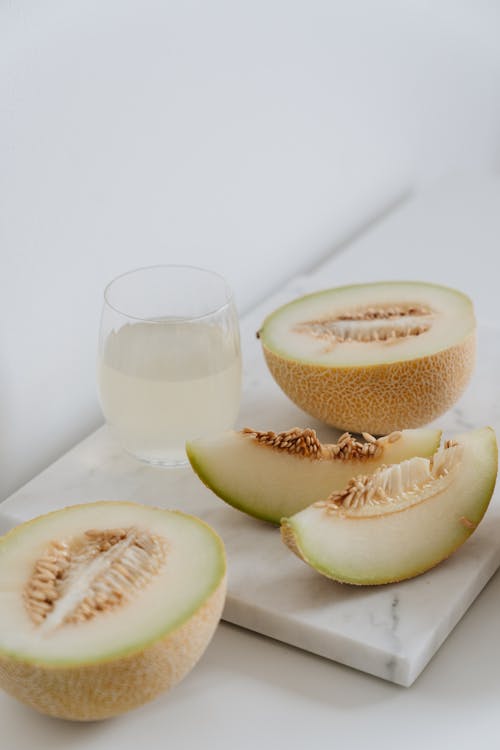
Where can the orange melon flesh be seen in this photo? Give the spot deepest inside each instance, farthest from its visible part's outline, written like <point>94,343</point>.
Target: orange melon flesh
<point>125,654</point>
<point>270,483</point>
<point>421,522</point>
<point>376,357</point>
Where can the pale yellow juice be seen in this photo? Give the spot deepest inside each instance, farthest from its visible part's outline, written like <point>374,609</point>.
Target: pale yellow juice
<point>164,383</point>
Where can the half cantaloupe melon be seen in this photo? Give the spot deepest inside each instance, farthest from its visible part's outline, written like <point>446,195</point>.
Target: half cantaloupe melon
<point>270,475</point>
<point>377,357</point>
<point>103,606</point>
<point>403,519</point>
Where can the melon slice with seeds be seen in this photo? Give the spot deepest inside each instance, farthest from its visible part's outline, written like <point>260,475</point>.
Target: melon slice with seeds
<point>403,519</point>
<point>379,357</point>
<point>270,475</point>
<point>105,605</point>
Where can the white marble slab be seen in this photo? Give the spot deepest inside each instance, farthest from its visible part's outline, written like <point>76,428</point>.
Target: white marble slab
<point>389,631</point>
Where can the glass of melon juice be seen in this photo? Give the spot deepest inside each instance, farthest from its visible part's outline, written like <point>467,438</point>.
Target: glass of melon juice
<point>169,364</point>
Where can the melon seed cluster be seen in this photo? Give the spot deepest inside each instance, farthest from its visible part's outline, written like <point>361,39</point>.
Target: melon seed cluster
<point>396,483</point>
<point>95,572</point>
<point>370,324</point>
<point>305,442</point>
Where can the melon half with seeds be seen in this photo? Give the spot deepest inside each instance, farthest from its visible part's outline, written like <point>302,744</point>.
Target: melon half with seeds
<point>270,475</point>
<point>103,606</point>
<point>403,519</point>
<point>377,357</point>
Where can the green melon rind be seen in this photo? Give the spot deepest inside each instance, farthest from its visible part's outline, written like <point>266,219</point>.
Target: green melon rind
<point>264,338</point>
<point>139,646</point>
<point>291,533</point>
<point>241,504</point>
<point>201,472</point>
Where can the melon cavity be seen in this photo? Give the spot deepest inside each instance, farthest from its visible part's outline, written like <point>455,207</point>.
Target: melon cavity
<point>379,357</point>
<point>270,475</point>
<point>105,605</point>
<point>403,519</point>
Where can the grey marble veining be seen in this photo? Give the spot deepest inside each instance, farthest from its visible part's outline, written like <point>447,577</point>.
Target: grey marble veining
<point>390,631</point>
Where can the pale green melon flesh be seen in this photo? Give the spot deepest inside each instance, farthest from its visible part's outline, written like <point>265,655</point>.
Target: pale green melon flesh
<point>391,544</point>
<point>451,320</point>
<point>193,569</point>
<point>269,483</point>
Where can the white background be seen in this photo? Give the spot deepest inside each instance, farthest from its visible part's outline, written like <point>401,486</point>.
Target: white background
<point>249,137</point>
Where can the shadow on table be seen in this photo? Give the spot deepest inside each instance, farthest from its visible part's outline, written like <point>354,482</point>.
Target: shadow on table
<point>27,730</point>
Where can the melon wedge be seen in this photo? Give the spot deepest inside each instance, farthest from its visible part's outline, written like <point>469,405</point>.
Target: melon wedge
<point>401,521</point>
<point>270,475</point>
<point>103,606</point>
<point>378,357</point>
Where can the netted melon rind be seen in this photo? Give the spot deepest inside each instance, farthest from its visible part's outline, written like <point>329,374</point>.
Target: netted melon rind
<point>379,398</point>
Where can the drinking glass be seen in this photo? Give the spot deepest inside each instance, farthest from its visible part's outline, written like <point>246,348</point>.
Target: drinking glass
<point>169,360</point>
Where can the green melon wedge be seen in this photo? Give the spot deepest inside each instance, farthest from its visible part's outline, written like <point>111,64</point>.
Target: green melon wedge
<point>401,521</point>
<point>270,475</point>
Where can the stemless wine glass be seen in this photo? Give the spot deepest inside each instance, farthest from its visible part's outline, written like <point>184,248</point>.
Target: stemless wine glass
<point>169,360</point>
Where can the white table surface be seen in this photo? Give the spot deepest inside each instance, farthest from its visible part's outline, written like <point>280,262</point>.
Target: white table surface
<point>249,691</point>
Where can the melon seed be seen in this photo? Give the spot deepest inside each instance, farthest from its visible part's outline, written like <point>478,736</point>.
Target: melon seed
<point>103,568</point>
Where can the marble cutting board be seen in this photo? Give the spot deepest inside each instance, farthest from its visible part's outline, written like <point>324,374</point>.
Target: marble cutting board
<point>389,631</point>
